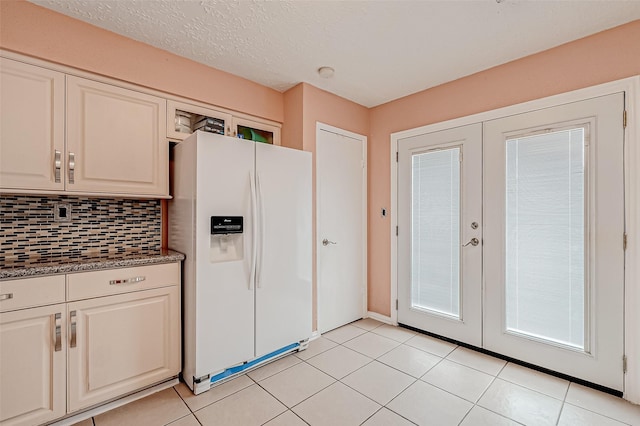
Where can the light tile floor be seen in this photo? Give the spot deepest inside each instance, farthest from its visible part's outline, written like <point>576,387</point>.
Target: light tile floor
<point>372,374</point>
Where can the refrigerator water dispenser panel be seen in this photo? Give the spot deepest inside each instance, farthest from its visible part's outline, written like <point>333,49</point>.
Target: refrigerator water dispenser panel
<point>227,239</point>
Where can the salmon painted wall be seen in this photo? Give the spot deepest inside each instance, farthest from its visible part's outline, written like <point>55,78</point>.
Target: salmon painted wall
<point>304,106</point>
<point>35,31</point>
<point>602,57</point>
<point>292,136</point>
<point>320,105</point>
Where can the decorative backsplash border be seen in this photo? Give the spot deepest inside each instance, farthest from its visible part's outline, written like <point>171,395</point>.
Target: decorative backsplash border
<point>97,227</point>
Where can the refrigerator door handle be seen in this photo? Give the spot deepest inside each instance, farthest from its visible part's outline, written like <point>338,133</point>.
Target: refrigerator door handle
<point>261,233</point>
<point>254,231</point>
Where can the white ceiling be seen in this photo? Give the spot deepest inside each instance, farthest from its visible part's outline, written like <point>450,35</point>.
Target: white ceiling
<point>381,50</point>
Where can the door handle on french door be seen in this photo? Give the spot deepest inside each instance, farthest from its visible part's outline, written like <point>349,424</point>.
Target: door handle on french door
<point>326,242</point>
<point>474,242</point>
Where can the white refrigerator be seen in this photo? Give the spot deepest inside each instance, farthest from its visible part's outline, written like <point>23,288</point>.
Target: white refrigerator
<point>241,213</point>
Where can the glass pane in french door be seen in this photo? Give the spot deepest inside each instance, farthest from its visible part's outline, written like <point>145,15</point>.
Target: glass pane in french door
<point>435,253</point>
<point>545,236</point>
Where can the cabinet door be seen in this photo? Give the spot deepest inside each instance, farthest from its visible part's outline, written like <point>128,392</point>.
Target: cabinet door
<point>31,127</point>
<point>256,131</point>
<point>32,365</point>
<point>115,140</point>
<point>183,119</point>
<point>118,344</point>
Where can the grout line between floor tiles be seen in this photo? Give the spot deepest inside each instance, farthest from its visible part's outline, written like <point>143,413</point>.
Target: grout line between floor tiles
<point>383,405</point>
<point>180,396</point>
<point>180,418</point>
<point>320,390</point>
<point>404,372</point>
<point>559,414</point>
<point>277,415</point>
<point>598,413</point>
<point>465,415</point>
<point>395,412</point>
<point>296,414</point>
<point>564,401</point>
<point>490,410</point>
<point>373,414</point>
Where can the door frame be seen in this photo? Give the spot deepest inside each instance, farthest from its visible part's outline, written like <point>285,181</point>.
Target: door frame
<point>362,138</point>
<point>631,87</point>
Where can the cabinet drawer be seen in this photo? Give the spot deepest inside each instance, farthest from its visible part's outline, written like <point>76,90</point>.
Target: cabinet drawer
<point>30,292</point>
<point>85,285</point>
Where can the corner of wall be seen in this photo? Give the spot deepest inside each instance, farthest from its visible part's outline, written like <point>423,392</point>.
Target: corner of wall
<point>292,130</point>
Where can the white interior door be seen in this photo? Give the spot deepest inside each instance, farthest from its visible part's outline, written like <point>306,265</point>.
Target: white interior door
<point>284,268</point>
<point>341,226</point>
<point>440,233</point>
<point>554,259</point>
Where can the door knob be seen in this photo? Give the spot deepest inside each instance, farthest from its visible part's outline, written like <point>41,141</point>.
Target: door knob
<point>474,242</point>
<point>326,242</point>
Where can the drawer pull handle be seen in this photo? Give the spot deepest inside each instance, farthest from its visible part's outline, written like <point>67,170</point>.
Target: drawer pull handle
<point>128,280</point>
<point>58,333</point>
<point>6,296</point>
<point>72,320</point>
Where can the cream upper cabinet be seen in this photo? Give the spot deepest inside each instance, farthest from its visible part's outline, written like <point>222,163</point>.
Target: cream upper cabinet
<point>31,127</point>
<point>115,140</point>
<point>184,118</point>
<point>257,131</point>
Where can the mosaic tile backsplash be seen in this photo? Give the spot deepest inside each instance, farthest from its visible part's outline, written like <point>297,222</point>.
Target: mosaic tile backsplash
<point>97,227</point>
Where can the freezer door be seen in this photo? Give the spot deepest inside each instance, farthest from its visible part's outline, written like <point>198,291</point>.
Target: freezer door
<point>284,268</point>
<point>225,293</point>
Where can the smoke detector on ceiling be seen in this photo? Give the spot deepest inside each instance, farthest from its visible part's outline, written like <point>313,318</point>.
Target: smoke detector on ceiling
<point>326,72</point>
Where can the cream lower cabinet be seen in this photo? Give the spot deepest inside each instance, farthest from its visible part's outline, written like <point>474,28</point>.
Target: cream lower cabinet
<point>32,365</point>
<point>121,343</point>
<point>119,332</point>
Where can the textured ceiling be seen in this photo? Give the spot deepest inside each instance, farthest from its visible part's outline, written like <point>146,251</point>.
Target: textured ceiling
<point>381,50</point>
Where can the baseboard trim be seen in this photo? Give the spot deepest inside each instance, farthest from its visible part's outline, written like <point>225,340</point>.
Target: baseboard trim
<point>378,317</point>
<point>75,418</point>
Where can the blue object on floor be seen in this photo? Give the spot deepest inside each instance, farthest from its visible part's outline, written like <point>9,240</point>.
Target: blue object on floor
<point>234,370</point>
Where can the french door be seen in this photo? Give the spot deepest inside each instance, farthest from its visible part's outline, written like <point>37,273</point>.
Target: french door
<point>440,233</point>
<point>545,284</point>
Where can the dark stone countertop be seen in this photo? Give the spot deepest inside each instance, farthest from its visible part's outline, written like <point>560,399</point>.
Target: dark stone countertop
<point>26,268</point>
